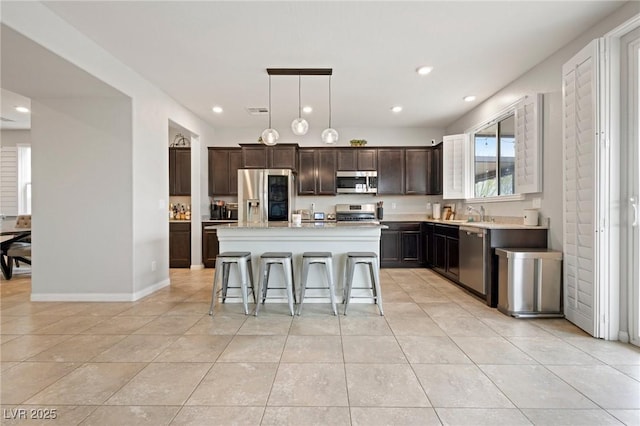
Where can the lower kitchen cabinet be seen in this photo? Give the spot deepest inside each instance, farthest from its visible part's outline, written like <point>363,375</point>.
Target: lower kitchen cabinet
<point>179,245</point>
<point>427,244</point>
<point>210,244</point>
<point>445,250</point>
<point>401,245</point>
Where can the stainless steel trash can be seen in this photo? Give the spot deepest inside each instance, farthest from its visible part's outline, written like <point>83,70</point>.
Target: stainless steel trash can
<point>529,282</point>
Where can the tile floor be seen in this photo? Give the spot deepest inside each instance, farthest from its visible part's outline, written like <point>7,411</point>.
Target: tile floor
<point>438,356</point>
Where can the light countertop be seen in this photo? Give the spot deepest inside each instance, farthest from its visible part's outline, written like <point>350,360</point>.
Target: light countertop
<point>309,225</point>
<point>500,222</point>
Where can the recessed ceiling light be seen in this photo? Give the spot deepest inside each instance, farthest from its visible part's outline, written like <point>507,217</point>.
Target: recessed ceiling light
<point>307,110</point>
<point>22,109</point>
<point>424,70</point>
<point>469,98</point>
<point>396,108</point>
<point>217,109</point>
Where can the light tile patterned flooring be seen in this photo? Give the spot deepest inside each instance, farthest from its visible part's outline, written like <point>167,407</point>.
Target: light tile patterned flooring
<point>437,356</point>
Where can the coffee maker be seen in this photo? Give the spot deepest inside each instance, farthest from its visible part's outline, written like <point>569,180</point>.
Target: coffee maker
<point>217,210</point>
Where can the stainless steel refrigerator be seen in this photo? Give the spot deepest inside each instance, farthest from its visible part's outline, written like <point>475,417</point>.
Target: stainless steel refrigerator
<point>265,195</point>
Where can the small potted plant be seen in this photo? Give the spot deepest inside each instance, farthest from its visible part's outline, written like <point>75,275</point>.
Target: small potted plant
<point>358,142</point>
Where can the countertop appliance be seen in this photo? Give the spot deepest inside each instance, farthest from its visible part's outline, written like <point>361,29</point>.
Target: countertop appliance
<point>265,195</point>
<point>217,210</point>
<point>363,213</point>
<point>357,182</point>
<point>472,258</point>
<point>232,211</point>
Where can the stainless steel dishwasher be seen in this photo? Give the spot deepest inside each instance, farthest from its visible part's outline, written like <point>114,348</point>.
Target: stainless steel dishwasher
<point>472,261</point>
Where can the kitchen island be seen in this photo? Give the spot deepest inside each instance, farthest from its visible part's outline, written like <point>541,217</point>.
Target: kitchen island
<point>337,238</point>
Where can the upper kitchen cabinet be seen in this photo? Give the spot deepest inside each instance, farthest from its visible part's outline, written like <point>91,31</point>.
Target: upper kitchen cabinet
<point>436,170</point>
<point>223,170</point>
<point>391,171</point>
<point>317,175</point>
<point>180,171</point>
<point>418,171</point>
<point>357,159</point>
<point>257,156</point>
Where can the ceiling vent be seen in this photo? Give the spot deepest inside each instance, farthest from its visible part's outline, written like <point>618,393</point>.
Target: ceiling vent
<point>258,110</point>
<point>7,120</point>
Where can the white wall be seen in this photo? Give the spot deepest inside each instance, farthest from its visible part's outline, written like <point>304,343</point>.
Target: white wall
<point>147,196</point>
<point>545,78</point>
<point>81,162</point>
<point>15,137</point>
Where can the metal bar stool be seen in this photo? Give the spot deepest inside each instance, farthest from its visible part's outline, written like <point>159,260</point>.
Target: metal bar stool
<point>318,258</point>
<point>266,261</point>
<point>242,259</point>
<point>371,260</point>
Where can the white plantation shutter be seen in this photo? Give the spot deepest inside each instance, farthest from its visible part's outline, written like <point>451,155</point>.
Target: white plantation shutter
<point>454,158</point>
<point>528,149</point>
<point>580,194</point>
<point>9,181</point>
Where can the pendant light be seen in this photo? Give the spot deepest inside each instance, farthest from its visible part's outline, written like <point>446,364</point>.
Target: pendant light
<point>329,135</point>
<point>270,135</point>
<point>299,126</point>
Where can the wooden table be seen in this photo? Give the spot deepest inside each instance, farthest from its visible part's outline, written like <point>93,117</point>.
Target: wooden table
<point>9,234</point>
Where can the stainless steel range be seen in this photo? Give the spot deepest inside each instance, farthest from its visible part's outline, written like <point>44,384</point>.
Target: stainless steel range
<point>361,213</point>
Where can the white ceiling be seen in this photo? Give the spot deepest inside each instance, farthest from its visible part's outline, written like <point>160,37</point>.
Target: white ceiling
<point>210,53</point>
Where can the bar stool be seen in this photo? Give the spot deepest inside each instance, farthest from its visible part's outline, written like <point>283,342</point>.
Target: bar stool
<point>242,259</point>
<point>267,260</point>
<point>318,258</point>
<point>371,260</point>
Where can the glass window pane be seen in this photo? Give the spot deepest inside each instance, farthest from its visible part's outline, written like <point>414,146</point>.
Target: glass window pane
<point>507,155</point>
<point>486,160</point>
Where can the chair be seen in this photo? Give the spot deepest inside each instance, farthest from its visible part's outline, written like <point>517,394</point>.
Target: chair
<point>17,250</point>
<point>242,259</point>
<point>267,260</point>
<point>370,259</point>
<point>317,258</point>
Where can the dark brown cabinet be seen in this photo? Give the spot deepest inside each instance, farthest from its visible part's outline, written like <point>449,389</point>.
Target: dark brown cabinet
<point>210,244</point>
<point>410,171</point>
<point>427,244</point>
<point>360,159</point>
<point>436,171</point>
<point>401,245</point>
<point>317,171</point>
<point>223,170</point>
<point>417,171</point>
<point>391,171</point>
<point>282,156</point>
<point>179,245</point>
<point>445,250</point>
<point>180,171</point>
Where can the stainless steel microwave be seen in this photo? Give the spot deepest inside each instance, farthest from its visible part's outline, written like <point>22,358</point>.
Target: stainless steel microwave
<point>357,182</point>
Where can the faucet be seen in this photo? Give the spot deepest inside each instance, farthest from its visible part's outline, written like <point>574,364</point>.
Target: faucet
<point>480,212</point>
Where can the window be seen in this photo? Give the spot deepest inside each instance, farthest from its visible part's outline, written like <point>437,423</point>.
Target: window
<point>24,179</point>
<point>494,158</point>
<point>498,160</point>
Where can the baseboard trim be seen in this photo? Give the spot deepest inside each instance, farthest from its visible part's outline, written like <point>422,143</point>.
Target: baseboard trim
<point>197,267</point>
<point>151,289</point>
<point>98,297</point>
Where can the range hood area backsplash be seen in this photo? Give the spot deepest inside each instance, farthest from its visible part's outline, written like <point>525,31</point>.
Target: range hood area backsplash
<point>403,204</point>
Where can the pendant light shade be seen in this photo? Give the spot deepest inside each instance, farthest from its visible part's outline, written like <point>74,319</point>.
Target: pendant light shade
<point>299,126</point>
<point>329,135</point>
<point>270,136</point>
